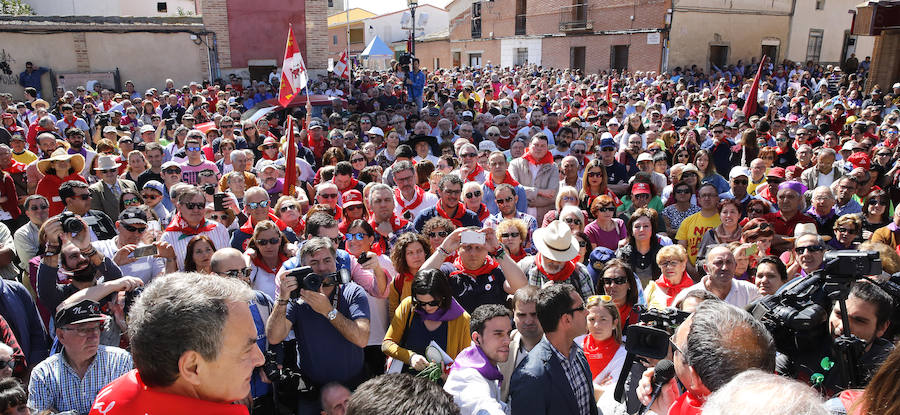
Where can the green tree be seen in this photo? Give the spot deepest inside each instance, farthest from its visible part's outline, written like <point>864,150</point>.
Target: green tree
<point>15,8</point>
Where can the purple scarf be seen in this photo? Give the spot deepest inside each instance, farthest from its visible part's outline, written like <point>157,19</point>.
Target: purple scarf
<point>443,314</point>
<point>473,357</point>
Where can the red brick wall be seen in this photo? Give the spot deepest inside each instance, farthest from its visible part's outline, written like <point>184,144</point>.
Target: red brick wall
<point>215,18</point>
<point>258,29</point>
<point>427,51</point>
<point>555,51</point>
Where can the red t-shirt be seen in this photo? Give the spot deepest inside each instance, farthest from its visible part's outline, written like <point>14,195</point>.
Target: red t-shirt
<point>128,395</point>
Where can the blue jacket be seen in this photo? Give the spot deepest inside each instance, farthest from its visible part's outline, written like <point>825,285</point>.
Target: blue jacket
<point>418,84</point>
<point>17,307</point>
<point>539,385</point>
<point>468,219</point>
<point>33,79</point>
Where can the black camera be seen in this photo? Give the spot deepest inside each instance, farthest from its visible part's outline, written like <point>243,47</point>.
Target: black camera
<point>70,222</point>
<point>852,264</point>
<point>103,119</point>
<point>310,281</point>
<point>651,338</point>
<point>170,123</point>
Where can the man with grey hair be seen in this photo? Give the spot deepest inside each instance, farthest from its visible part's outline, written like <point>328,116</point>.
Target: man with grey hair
<point>331,322</point>
<point>715,344</point>
<point>783,396</point>
<point>194,345</point>
<point>411,199</point>
<point>384,220</point>
<point>824,173</point>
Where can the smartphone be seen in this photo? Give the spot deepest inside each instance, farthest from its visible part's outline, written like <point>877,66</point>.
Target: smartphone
<point>154,225</point>
<point>752,250</point>
<point>219,201</point>
<point>144,250</point>
<point>472,237</point>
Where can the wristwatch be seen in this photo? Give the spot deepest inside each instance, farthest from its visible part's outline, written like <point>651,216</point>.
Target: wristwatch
<point>332,314</point>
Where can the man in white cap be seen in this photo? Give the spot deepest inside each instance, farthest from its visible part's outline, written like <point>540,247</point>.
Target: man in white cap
<point>555,261</point>
<point>105,194</point>
<point>148,134</point>
<point>645,164</point>
<point>739,179</point>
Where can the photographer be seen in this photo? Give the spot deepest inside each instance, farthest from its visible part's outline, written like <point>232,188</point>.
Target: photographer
<point>75,196</point>
<point>869,310</point>
<point>715,344</point>
<point>132,232</point>
<point>415,84</point>
<point>331,322</point>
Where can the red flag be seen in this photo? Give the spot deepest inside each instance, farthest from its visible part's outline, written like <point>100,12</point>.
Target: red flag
<point>750,104</point>
<point>341,68</point>
<point>293,71</point>
<point>290,168</point>
<point>609,102</point>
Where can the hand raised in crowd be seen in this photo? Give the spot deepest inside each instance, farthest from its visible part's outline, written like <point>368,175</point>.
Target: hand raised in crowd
<point>165,250</point>
<point>371,263</point>
<point>451,242</point>
<point>231,202</point>
<point>123,255</point>
<point>126,283</point>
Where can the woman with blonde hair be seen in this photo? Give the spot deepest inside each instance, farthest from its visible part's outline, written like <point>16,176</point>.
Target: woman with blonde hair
<point>137,164</point>
<point>567,195</point>
<point>672,260</point>
<point>594,184</point>
<point>513,234</point>
<point>408,254</point>
<point>602,345</point>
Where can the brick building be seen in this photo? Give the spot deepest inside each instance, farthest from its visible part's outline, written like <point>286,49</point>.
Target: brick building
<point>591,35</point>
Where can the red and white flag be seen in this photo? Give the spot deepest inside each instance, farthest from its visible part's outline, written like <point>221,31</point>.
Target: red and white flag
<point>293,72</point>
<point>341,68</point>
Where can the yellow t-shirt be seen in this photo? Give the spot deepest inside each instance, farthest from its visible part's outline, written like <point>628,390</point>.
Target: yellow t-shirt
<point>692,230</point>
<point>751,187</point>
<point>25,158</point>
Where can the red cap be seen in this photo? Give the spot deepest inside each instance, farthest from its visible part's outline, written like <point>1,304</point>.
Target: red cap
<point>776,172</point>
<point>860,159</point>
<point>793,170</point>
<point>640,188</point>
<point>351,198</point>
<point>7,115</point>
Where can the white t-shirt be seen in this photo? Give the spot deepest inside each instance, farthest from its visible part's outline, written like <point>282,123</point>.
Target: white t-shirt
<point>145,268</point>
<point>741,293</point>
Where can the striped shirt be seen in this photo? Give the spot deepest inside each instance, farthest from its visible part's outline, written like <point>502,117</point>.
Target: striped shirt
<point>575,367</point>
<point>54,384</point>
<point>179,241</point>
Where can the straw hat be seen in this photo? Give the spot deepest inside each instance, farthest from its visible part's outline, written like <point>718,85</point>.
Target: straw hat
<point>76,160</point>
<point>556,242</point>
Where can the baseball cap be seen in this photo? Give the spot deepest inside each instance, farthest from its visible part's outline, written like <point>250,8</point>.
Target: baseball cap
<point>776,172</point>
<point>168,164</point>
<point>351,197</point>
<point>434,112</point>
<point>155,185</point>
<point>109,129</point>
<point>644,157</point>
<point>266,164</point>
<point>145,128</point>
<point>607,142</point>
<point>133,215</point>
<point>316,123</point>
<point>849,145</point>
<point>738,171</point>
<point>377,131</point>
<point>612,121</point>
<point>860,159</point>
<point>84,311</point>
<point>487,146</point>
<point>640,188</point>
<point>466,114</point>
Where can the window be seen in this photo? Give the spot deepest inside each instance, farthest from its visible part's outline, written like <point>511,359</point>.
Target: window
<point>521,57</point>
<point>718,56</point>
<point>330,3</point>
<point>476,20</point>
<point>457,59</point>
<point>161,7</point>
<point>814,46</point>
<point>334,39</point>
<point>474,60</point>
<point>576,57</point>
<point>820,4</point>
<point>521,7</point>
<point>618,57</point>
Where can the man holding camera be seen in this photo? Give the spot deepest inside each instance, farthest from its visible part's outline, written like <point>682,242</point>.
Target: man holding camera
<point>330,318</point>
<point>415,84</point>
<point>131,254</point>
<point>76,197</point>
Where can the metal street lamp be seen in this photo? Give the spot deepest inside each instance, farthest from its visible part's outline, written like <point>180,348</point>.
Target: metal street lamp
<point>412,35</point>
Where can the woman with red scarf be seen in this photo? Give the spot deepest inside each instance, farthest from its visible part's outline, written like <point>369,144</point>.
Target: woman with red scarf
<point>257,207</point>
<point>594,184</point>
<point>58,169</point>
<point>619,283</point>
<point>672,260</point>
<point>603,346</point>
<point>408,254</point>
<point>513,234</point>
<point>268,249</point>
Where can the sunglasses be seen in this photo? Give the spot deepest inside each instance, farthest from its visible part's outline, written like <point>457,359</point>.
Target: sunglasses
<point>582,244</point>
<point>607,209</point>
<point>254,205</point>
<point>607,149</point>
<point>130,228</point>
<point>468,155</point>
<point>132,200</point>
<point>357,160</point>
<point>510,235</point>
<point>476,193</point>
<point>812,248</point>
<point>271,241</point>
<point>845,230</point>
<point>149,196</point>
<point>83,197</point>
<point>39,207</point>
<point>572,220</point>
<point>595,174</point>
<point>238,273</point>
<point>756,211</point>
<point>270,146</point>
<point>172,171</point>
<point>685,191</point>
<point>505,200</point>
<point>328,195</point>
<point>358,236</point>
<point>576,309</point>
<point>194,205</point>
<point>615,281</point>
<point>438,234</point>
<point>288,207</point>
<point>876,202</point>
<point>216,217</point>
<point>192,148</point>
<point>432,303</point>
<point>7,364</point>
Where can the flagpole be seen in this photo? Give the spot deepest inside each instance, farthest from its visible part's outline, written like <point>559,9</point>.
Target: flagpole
<point>349,61</point>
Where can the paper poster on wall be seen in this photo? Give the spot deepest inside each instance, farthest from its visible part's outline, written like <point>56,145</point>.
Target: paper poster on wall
<point>653,38</point>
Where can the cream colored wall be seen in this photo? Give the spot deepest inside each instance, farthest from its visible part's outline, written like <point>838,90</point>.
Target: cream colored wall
<point>693,32</point>
<point>833,19</point>
<point>146,58</point>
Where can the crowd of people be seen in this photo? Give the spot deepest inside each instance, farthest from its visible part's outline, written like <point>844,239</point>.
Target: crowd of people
<point>496,231</point>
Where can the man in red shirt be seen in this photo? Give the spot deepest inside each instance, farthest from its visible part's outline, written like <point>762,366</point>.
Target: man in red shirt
<point>791,206</point>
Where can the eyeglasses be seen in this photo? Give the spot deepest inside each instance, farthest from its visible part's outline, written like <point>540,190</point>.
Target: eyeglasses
<point>270,241</point>
<point>756,211</point>
<point>38,207</point>
<point>572,220</point>
<point>432,303</point>
<point>845,230</point>
<point>510,235</point>
<point>476,193</point>
<point>718,131</point>
<point>358,236</point>
<point>812,248</point>
<point>172,171</point>
<point>569,199</point>
<point>11,364</point>
<point>441,234</point>
<point>255,205</point>
<point>468,155</point>
<point>357,160</point>
<point>595,174</point>
<point>192,148</point>
<point>286,208</point>
<point>150,196</point>
<point>328,195</point>
<point>641,196</point>
<point>615,281</point>
<point>452,192</point>
<point>238,273</point>
<point>876,202</point>
<point>132,200</point>
<point>269,146</point>
<point>666,264</point>
<point>194,205</point>
<point>675,347</point>
<point>576,309</point>
<point>85,331</point>
<point>607,209</point>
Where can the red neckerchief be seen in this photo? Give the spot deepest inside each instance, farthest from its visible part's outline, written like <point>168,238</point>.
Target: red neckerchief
<point>516,258</point>
<point>507,179</point>
<point>401,280</point>
<point>686,404</point>
<point>460,211</point>
<point>483,212</point>
<point>15,167</point>
<point>625,311</point>
<point>257,260</point>
<point>672,290</point>
<point>249,225</point>
<point>554,128</point>
<point>353,183</point>
<point>129,395</point>
<point>179,225</point>
<point>381,243</point>
<point>560,276</point>
<point>420,196</point>
<point>547,159</point>
<point>599,352</point>
<point>70,124</point>
<point>504,142</point>
<point>490,264</point>
<point>474,173</point>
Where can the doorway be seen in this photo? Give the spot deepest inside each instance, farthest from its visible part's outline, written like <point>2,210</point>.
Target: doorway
<point>576,58</point>
<point>718,56</point>
<point>618,57</point>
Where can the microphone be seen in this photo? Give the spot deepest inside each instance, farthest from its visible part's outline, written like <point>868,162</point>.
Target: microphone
<point>662,374</point>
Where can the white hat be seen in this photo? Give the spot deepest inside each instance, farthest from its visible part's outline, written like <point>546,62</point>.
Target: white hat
<point>644,157</point>
<point>106,163</point>
<point>556,242</point>
<point>897,85</point>
<point>376,131</point>
<point>487,146</point>
<point>849,145</point>
<point>612,121</point>
<point>738,171</point>
<point>146,128</point>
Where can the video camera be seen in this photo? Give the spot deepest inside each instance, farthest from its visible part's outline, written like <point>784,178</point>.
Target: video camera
<point>310,281</point>
<point>405,61</point>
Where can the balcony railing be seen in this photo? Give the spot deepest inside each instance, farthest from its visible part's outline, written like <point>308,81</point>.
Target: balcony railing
<point>520,24</point>
<point>575,18</point>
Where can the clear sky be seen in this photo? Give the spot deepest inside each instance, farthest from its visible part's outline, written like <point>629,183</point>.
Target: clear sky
<point>387,6</point>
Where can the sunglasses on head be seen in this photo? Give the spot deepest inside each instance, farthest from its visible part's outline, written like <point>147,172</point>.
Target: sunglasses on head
<point>270,241</point>
<point>254,205</point>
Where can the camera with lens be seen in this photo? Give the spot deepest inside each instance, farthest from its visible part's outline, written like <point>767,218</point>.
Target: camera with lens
<point>650,338</point>
<point>103,119</point>
<point>70,222</point>
<point>405,59</point>
<point>310,281</point>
